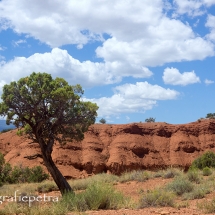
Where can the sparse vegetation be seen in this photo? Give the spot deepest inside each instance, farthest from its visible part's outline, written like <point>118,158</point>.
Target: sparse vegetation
<point>102,121</point>
<point>150,119</point>
<point>210,116</point>
<point>206,171</point>
<point>180,185</point>
<point>206,160</point>
<point>157,197</point>
<point>20,174</point>
<point>100,192</point>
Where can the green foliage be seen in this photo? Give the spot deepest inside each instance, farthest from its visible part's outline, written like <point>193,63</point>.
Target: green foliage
<point>206,160</point>
<point>102,120</point>
<point>210,116</point>
<point>150,119</point>
<point>20,174</point>
<point>136,175</point>
<point>47,187</point>
<point>97,196</point>
<point>206,171</point>
<point>157,198</point>
<point>180,185</point>
<point>51,105</point>
<point>193,176</point>
<point>207,206</point>
<point>47,110</point>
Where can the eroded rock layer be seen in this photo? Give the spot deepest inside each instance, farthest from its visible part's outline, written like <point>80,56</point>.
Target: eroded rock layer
<point>118,148</point>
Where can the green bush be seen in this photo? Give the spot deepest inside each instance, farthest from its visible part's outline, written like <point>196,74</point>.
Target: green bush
<point>206,171</point>
<point>207,206</point>
<point>171,173</point>
<point>193,176</point>
<point>20,174</point>
<point>47,187</point>
<point>157,198</point>
<point>180,185</point>
<point>136,175</point>
<point>97,196</point>
<point>206,160</point>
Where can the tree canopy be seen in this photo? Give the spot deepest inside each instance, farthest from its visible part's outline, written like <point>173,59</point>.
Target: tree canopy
<point>50,110</point>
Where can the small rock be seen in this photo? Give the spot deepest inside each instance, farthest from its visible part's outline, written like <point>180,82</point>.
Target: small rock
<point>164,212</point>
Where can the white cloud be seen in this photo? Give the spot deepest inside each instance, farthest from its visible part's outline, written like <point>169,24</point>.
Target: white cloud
<point>192,7</point>
<point>208,82</point>
<point>174,77</point>
<point>140,31</point>
<point>59,63</point>
<point>18,42</point>
<point>130,98</point>
<point>211,25</point>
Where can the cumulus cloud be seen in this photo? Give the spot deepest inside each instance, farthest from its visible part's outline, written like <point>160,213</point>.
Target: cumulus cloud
<point>140,33</point>
<point>192,7</point>
<point>208,82</point>
<point>174,77</point>
<point>211,25</point>
<point>59,63</point>
<point>130,98</point>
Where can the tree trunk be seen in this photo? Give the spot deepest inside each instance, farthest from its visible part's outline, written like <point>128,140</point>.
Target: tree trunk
<point>59,179</point>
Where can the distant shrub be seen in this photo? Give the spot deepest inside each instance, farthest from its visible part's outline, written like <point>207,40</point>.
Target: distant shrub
<point>210,116</point>
<point>96,196</point>
<point>20,174</point>
<point>102,120</point>
<point>206,160</point>
<point>157,197</point>
<point>180,185</point>
<point>136,175</point>
<point>206,171</point>
<point>207,206</point>
<point>150,119</point>
<point>47,187</point>
<point>193,176</point>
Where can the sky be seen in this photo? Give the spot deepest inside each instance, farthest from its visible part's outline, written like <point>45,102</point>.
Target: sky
<point>135,58</point>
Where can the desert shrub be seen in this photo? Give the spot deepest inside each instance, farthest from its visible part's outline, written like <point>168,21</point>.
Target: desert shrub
<point>102,121</point>
<point>180,185</point>
<point>82,184</point>
<point>206,171</point>
<point>96,196</point>
<point>136,175</point>
<point>171,173</point>
<point>193,176</point>
<point>47,187</point>
<point>103,196</point>
<point>206,160</point>
<point>207,206</point>
<point>50,209</point>
<point>21,174</point>
<point>156,198</point>
<point>197,193</point>
<point>150,119</point>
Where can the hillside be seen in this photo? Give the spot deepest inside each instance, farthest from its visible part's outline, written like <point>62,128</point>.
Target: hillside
<point>118,148</point>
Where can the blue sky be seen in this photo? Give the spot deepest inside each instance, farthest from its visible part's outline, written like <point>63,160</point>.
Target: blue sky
<point>136,59</point>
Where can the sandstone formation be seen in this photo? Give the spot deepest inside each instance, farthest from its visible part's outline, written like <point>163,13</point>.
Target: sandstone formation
<point>118,148</point>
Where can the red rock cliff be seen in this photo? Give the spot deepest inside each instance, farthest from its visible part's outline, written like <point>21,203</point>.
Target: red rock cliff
<point>118,148</point>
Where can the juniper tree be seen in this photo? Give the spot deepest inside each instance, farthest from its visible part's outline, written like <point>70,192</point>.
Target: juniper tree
<point>49,110</point>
